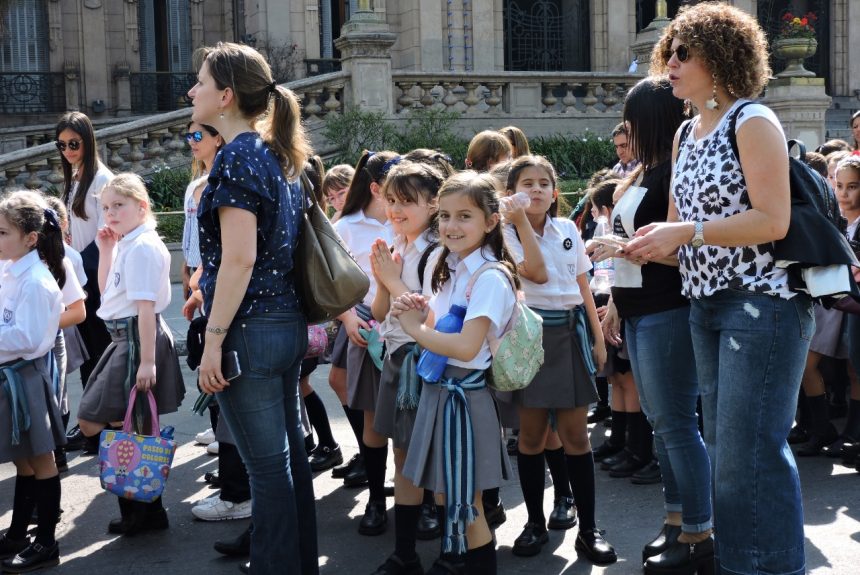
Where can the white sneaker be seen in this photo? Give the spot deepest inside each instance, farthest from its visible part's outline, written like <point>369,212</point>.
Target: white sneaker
<point>205,437</point>
<point>212,448</point>
<point>216,509</point>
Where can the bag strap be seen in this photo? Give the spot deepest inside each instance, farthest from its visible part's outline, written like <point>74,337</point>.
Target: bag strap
<point>153,410</point>
<point>491,338</point>
<point>733,122</point>
<point>422,263</point>
<point>308,191</point>
<point>685,131</point>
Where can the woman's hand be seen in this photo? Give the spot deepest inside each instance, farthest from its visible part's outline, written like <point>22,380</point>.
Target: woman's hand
<point>611,325</point>
<point>191,305</point>
<point>145,379</point>
<point>210,378</point>
<point>387,267</point>
<point>106,240</point>
<point>598,252</point>
<point>352,323</point>
<point>658,241</point>
<point>598,352</point>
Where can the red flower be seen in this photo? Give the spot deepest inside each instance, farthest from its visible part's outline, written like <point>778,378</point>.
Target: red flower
<point>804,21</point>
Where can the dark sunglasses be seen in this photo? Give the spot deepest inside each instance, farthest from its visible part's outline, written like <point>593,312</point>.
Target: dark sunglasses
<point>196,136</point>
<point>682,52</point>
<point>74,145</point>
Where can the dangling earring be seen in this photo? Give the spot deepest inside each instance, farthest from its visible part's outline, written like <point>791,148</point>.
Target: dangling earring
<point>221,115</point>
<point>712,104</point>
<point>688,108</point>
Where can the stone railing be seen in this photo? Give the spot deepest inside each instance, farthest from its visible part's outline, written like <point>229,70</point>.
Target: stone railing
<point>147,144</point>
<point>514,93</point>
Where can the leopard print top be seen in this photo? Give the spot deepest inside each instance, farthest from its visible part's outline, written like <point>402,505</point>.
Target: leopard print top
<point>709,185</point>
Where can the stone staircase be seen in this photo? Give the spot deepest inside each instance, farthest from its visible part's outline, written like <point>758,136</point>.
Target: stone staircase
<point>839,115</point>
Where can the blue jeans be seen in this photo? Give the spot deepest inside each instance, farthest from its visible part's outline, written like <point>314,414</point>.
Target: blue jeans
<point>661,354</point>
<point>262,409</point>
<point>750,353</point>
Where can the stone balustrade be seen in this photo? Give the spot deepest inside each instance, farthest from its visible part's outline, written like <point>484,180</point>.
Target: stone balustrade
<point>147,144</point>
<point>514,93</point>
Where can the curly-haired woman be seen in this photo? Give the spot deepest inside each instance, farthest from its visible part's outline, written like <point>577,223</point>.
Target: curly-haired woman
<point>750,332</point>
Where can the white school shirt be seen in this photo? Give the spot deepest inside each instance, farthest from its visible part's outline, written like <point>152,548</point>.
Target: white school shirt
<point>565,259</point>
<point>83,232</point>
<point>492,296</point>
<point>77,262</point>
<point>411,253</point>
<point>140,271</point>
<point>72,290</point>
<point>359,232</point>
<point>31,306</point>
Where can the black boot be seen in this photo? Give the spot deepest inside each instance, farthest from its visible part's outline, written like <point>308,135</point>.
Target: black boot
<point>851,433</point>
<point>238,547</point>
<point>667,536</point>
<point>683,558</point>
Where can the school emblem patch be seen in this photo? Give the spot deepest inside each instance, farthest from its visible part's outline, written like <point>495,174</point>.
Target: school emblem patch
<point>7,315</point>
<point>568,243</point>
<point>116,279</point>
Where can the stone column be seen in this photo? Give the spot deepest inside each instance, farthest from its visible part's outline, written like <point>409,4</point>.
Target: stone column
<point>121,76</point>
<point>482,36</point>
<point>800,103</point>
<point>648,36</point>
<point>94,62</point>
<point>73,86</point>
<point>431,33</point>
<point>364,46</point>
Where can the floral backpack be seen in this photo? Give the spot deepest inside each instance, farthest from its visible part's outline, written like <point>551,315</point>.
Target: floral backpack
<point>518,353</point>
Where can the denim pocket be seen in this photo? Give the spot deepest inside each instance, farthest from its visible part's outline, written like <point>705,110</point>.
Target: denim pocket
<point>805,316</point>
<point>271,347</point>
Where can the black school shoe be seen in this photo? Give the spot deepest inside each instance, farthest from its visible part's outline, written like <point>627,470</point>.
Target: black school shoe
<point>75,439</point>
<point>35,556</point>
<point>325,457</point>
<point>342,471</point>
<point>238,547</point>
<point>648,475</point>
<point>394,565</point>
<point>375,519</point>
<point>563,514</point>
<point>357,476</point>
<point>531,540</point>
<point>428,523</point>
<point>495,515</point>
<point>595,548</point>
<point>11,547</point>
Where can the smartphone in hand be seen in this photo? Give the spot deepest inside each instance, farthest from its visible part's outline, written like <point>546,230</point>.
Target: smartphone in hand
<point>230,368</point>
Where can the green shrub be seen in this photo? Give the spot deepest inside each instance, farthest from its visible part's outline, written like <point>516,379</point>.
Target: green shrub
<point>575,157</point>
<point>355,131</point>
<point>166,187</point>
<point>170,226</point>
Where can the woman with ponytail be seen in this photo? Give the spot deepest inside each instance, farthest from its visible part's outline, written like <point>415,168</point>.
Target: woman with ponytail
<point>249,220</point>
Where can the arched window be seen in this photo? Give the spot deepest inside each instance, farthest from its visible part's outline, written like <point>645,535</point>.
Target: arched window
<point>24,37</point>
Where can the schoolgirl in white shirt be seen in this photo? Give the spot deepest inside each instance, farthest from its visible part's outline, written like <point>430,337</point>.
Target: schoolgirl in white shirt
<point>410,192</point>
<point>134,279</point>
<point>565,382</point>
<point>361,223</point>
<point>31,426</point>
<point>471,237</point>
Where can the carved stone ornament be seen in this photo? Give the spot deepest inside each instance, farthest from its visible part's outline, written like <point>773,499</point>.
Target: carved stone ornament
<point>93,4</point>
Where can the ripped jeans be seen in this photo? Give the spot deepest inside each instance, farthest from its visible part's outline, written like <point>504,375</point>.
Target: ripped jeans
<point>750,352</point>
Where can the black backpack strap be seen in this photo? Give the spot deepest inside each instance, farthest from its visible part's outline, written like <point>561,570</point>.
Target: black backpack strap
<point>422,263</point>
<point>685,131</point>
<point>733,122</point>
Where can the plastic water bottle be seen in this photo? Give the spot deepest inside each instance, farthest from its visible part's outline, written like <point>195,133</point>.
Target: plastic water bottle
<point>509,204</point>
<point>431,365</point>
<point>604,272</point>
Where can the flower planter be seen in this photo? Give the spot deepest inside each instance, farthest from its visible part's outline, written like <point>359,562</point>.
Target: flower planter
<point>794,51</point>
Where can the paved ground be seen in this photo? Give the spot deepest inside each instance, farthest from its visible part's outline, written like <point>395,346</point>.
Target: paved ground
<point>630,514</point>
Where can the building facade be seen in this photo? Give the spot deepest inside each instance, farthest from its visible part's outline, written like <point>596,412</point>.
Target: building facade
<point>129,57</point>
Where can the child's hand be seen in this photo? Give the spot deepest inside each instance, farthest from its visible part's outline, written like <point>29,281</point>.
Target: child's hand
<point>191,305</point>
<point>145,376</point>
<point>611,326</point>
<point>598,351</point>
<point>517,217</point>
<point>386,266</point>
<point>411,310</point>
<point>106,239</point>
<point>352,323</point>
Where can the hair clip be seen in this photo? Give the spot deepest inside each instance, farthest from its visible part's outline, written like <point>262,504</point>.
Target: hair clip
<point>389,164</point>
<point>370,154</point>
<point>51,219</point>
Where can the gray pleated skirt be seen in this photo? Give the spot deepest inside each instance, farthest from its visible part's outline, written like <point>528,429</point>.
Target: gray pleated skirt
<point>388,420</point>
<point>76,350</point>
<point>424,462</point>
<point>563,381</point>
<point>509,413</point>
<point>827,339</point>
<point>46,431</point>
<point>105,400</point>
<point>337,356</point>
<point>362,379</point>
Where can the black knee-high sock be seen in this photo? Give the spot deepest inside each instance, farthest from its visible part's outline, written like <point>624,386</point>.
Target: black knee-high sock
<point>558,472</point>
<point>319,420</point>
<point>66,417</point>
<point>818,413</point>
<point>482,560</point>
<point>643,446</point>
<point>405,527</point>
<point>47,495</point>
<point>531,481</point>
<point>356,422</point>
<point>490,497</point>
<point>428,498</point>
<point>374,464</point>
<point>580,468</point>
<point>23,503</point>
<point>618,431</point>
<point>852,424</point>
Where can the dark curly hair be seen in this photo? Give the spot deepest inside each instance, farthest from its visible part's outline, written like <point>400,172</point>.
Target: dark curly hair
<point>722,36</point>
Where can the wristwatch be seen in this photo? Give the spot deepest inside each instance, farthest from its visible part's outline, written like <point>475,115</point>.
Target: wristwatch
<point>698,235</point>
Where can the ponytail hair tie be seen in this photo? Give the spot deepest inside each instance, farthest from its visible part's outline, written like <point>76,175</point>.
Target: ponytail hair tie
<point>273,87</point>
<point>51,220</point>
<point>390,164</point>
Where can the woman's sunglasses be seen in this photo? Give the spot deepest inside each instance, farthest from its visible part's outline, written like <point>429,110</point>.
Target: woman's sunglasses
<point>196,136</point>
<point>682,52</point>
<point>73,145</point>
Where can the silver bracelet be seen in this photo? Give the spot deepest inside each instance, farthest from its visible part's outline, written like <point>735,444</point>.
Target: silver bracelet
<point>216,330</point>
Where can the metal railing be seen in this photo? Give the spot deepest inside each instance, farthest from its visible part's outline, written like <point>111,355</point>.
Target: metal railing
<point>32,92</point>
